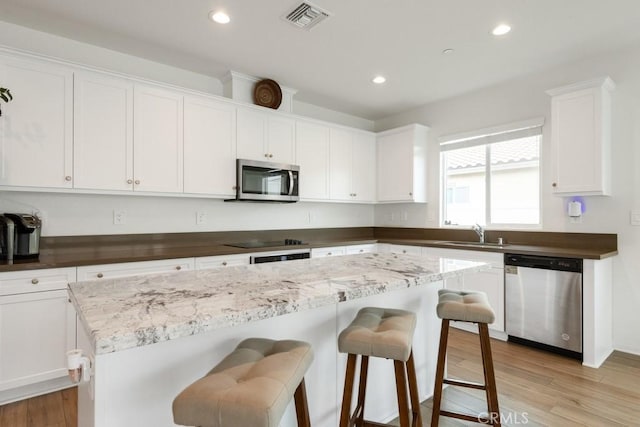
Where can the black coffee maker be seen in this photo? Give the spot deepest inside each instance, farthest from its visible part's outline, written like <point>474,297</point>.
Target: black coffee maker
<point>26,235</point>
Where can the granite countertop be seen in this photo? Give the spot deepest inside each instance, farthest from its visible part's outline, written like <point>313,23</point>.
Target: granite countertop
<point>135,311</point>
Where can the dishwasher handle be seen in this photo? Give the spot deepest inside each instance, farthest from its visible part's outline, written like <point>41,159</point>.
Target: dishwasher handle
<point>546,263</point>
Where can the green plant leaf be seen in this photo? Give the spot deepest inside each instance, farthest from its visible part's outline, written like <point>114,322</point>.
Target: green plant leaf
<point>3,97</point>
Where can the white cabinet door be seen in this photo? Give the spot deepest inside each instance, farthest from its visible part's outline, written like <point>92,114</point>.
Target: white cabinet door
<point>360,249</point>
<point>340,164</point>
<point>363,167</point>
<point>312,155</point>
<point>489,281</point>
<point>581,138</point>
<point>281,133</point>
<point>353,165</point>
<point>127,269</point>
<point>36,330</point>
<point>326,252</point>
<point>205,263</point>
<point>158,140</point>
<point>37,326</point>
<point>209,147</point>
<point>265,136</point>
<point>103,132</point>
<point>251,135</point>
<point>402,164</point>
<point>405,249</point>
<point>36,128</point>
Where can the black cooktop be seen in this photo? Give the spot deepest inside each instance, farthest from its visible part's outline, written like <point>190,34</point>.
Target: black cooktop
<point>263,244</point>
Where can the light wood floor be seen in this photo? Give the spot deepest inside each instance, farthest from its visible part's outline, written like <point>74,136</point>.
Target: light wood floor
<point>535,389</point>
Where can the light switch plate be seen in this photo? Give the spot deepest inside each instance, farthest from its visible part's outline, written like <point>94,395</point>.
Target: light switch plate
<point>635,217</point>
<point>119,217</point>
<point>201,218</point>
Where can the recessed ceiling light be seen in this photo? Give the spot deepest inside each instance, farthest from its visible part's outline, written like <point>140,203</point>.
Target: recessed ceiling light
<point>447,51</point>
<point>379,80</point>
<point>219,17</point>
<point>501,30</point>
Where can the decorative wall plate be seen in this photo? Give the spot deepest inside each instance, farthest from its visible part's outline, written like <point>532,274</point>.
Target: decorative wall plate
<point>267,93</point>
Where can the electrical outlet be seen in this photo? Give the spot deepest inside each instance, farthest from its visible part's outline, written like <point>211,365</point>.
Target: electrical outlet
<point>404,216</point>
<point>201,218</point>
<point>119,217</point>
<point>635,217</point>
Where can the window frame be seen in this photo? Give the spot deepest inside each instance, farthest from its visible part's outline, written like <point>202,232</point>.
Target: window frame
<point>487,137</point>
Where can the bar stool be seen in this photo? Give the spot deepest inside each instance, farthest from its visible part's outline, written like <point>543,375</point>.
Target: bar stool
<point>466,307</point>
<point>387,333</point>
<point>252,386</point>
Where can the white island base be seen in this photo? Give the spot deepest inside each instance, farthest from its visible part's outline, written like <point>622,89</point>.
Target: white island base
<point>136,387</point>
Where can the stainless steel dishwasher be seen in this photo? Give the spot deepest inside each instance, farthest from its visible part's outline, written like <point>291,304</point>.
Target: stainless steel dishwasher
<point>543,302</point>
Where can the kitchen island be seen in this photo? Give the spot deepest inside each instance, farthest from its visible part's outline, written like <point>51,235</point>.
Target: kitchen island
<point>150,336</point>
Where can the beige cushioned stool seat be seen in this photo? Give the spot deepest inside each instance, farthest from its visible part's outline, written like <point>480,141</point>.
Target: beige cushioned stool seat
<point>252,386</point>
<point>379,332</point>
<point>464,306</point>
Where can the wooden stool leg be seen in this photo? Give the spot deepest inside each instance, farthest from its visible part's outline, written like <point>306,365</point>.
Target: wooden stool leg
<point>345,413</point>
<point>489,375</point>
<point>413,392</point>
<point>401,388</point>
<point>437,388</point>
<point>362,391</point>
<point>302,406</point>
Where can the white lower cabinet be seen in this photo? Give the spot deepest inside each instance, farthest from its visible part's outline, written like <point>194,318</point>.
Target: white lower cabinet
<point>37,328</point>
<point>218,261</point>
<point>361,249</point>
<point>112,271</point>
<point>405,249</point>
<point>489,281</point>
<point>325,252</point>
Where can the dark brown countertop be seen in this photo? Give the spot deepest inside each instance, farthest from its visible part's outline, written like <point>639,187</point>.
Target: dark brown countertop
<point>72,251</point>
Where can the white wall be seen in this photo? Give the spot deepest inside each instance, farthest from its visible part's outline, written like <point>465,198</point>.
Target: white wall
<point>74,214</point>
<point>525,98</point>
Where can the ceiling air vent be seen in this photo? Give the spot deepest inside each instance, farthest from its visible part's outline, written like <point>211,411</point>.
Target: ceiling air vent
<point>306,15</point>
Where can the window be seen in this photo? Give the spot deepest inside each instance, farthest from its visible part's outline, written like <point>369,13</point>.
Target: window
<point>492,177</point>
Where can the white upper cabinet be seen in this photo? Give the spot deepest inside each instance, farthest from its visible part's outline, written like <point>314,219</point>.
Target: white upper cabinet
<point>353,158</point>
<point>581,138</point>
<point>103,132</point>
<point>312,155</point>
<point>340,171</point>
<point>265,136</point>
<point>158,140</point>
<point>36,128</point>
<point>209,147</point>
<point>402,164</point>
<point>363,164</point>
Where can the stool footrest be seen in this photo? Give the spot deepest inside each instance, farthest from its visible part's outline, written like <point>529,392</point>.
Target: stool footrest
<point>473,419</point>
<point>373,424</point>
<point>468,384</point>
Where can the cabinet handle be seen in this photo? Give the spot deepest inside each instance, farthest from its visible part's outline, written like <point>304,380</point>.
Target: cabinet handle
<point>67,178</point>
<point>554,184</point>
<point>137,182</point>
<point>404,251</point>
<point>129,181</point>
<point>100,275</point>
<point>355,194</point>
<point>329,254</point>
<point>361,250</point>
<point>35,281</point>
<point>178,267</point>
<point>235,187</point>
<point>266,154</point>
<point>270,155</point>
<point>224,263</point>
<point>410,193</point>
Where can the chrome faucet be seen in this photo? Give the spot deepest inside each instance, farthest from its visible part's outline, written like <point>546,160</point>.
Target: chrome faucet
<point>479,231</point>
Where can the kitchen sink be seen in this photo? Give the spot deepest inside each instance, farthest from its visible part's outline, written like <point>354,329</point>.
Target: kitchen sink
<point>475,244</point>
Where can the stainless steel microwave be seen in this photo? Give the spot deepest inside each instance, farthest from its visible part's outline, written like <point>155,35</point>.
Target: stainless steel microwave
<point>266,181</point>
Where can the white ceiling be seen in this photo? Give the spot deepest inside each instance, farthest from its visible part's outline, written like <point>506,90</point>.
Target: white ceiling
<point>332,64</point>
